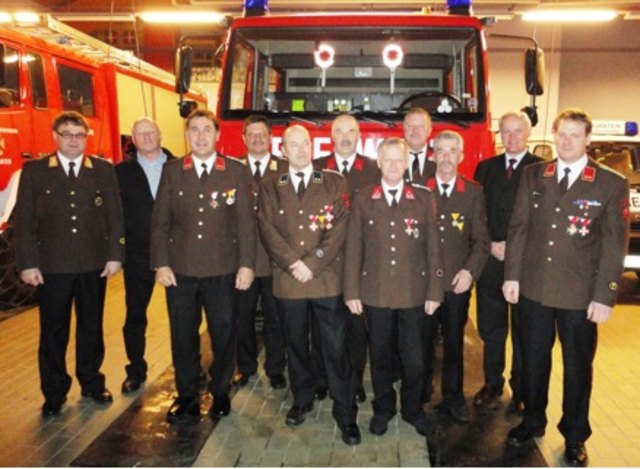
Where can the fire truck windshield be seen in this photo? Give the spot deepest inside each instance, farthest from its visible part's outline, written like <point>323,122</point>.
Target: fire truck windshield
<point>316,72</point>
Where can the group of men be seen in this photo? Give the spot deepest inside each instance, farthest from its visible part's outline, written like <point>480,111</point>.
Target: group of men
<point>346,255</point>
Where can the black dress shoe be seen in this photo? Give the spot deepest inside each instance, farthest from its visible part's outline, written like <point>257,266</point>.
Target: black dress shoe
<point>183,407</point>
<point>361,396</point>
<point>350,434</point>
<point>523,436</point>
<point>378,425</point>
<point>420,424</point>
<point>102,396</point>
<point>221,406</point>
<point>51,408</point>
<point>278,382</point>
<point>131,384</point>
<point>459,413</point>
<point>321,393</point>
<point>487,397</point>
<point>241,379</point>
<point>575,454</point>
<point>515,407</point>
<point>297,414</point>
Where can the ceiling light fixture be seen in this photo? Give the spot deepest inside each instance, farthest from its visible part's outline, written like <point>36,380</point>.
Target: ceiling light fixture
<point>569,15</point>
<point>181,17</point>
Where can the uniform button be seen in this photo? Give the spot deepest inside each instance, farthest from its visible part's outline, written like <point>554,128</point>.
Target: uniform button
<point>281,212</point>
<point>554,226</point>
<point>393,249</point>
<point>535,205</point>
<point>442,217</point>
<point>201,196</point>
<point>301,243</point>
<point>549,259</point>
<point>392,223</point>
<point>442,228</point>
<point>442,240</point>
<point>74,217</point>
<point>72,192</point>
<point>301,227</point>
<point>300,212</point>
<point>551,243</point>
<point>74,230</point>
<point>200,223</point>
<point>371,222</point>
<point>393,262</point>
<point>72,205</point>
<point>393,236</point>
<point>557,209</point>
<point>199,236</point>
<point>200,209</point>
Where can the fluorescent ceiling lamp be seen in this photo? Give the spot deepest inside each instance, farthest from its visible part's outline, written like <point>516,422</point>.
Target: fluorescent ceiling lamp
<point>569,15</point>
<point>5,18</point>
<point>26,17</point>
<point>181,17</point>
<point>118,17</point>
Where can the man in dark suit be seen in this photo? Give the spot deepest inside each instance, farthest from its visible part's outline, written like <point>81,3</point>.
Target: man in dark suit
<point>359,171</point>
<point>138,178</point>
<point>417,128</point>
<point>567,240</point>
<point>393,274</point>
<point>203,247</point>
<point>499,177</point>
<point>303,222</point>
<point>70,239</point>
<point>260,164</point>
<point>465,244</point>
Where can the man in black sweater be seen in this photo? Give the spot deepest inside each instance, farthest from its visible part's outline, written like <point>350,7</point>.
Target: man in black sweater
<point>139,177</point>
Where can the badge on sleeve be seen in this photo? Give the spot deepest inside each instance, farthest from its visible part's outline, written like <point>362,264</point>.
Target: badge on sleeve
<point>613,286</point>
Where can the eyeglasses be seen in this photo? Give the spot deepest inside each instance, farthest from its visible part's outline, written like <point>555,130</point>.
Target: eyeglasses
<point>70,136</point>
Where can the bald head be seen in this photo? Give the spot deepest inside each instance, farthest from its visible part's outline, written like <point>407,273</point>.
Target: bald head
<point>296,147</point>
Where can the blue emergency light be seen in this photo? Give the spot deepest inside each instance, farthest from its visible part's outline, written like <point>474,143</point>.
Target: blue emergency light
<point>631,129</point>
<point>255,7</point>
<point>459,7</point>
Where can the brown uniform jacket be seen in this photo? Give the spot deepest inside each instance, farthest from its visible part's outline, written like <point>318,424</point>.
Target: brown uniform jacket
<point>275,167</point>
<point>462,228</point>
<point>392,255</point>
<point>364,171</point>
<point>66,226</point>
<point>311,229</point>
<point>568,251</point>
<point>203,228</point>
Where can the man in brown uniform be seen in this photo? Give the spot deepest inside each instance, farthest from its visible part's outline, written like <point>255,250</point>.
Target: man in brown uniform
<point>303,222</point>
<point>359,171</point>
<point>465,243</point>
<point>393,273</point>
<point>417,128</point>
<point>203,247</point>
<point>566,245</point>
<point>261,164</point>
<point>70,239</point>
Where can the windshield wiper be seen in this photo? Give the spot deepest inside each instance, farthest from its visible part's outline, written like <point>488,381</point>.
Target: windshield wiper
<point>362,116</point>
<point>307,121</point>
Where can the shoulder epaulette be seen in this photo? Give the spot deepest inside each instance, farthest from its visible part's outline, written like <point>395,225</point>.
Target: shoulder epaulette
<point>332,171</point>
<point>243,162</point>
<point>420,186</point>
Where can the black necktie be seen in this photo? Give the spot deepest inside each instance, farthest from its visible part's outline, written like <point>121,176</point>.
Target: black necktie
<point>204,173</point>
<point>564,182</point>
<point>72,171</point>
<point>415,166</point>
<point>445,190</point>
<point>345,167</point>
<point>511,167</point>
<point>257,175</point>
<point>301,186</point>
<point>394,201</point>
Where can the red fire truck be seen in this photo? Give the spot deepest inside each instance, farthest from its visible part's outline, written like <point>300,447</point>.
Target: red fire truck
<point>306,68</point>
<point>47,67</point>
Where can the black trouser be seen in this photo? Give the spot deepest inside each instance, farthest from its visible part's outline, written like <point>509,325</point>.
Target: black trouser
<point>331,321</point>
<point>578,337</point>
<point>247,358</point>
<point>408,324</point>
<point>493,327</point>
<point>316,354</point>
<point>56,295</point>
<point>357,340</point>
<point>218,296</point>
<point>452,314</point>
<point>139,281</point>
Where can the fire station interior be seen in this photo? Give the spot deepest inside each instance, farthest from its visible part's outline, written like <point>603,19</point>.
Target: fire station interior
<point>592,65</point>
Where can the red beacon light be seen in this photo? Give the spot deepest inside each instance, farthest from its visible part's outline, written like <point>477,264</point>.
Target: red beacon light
<point>324,55</point>
<point>392,56</point>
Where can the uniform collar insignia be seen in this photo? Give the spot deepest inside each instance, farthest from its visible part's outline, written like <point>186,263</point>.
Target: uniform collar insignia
<point>550,170</point>
<point>220,164</point>
<point>588,174</point>
<point>408,192</point>
<point>284,179</point>
<point>317,177</point>
<point>87,162</point>
<point>332,163</point>
<point>460,185</point>
<point>376,193</point>
<point>431,184</point>
<point>358,164</point>
<point>273,164</point>
<point>53,161</point>
<point>187,163</point>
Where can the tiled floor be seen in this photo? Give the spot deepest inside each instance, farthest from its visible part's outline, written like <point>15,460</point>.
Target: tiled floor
<point>25,440</point>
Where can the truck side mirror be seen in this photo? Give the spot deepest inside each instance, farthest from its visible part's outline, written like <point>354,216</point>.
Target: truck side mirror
<point>183,66</point>
<point>534,71</point>
<point>2,65</point>
<point>186,107</point>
